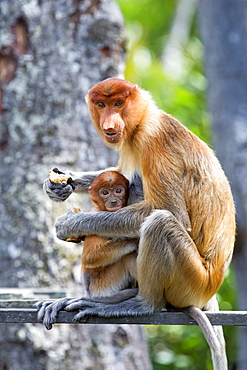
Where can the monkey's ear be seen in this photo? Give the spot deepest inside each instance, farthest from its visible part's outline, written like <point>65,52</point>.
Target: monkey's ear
<point>90,187</point>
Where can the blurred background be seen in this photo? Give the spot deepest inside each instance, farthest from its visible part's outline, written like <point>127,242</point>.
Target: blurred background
<point>191,55</point>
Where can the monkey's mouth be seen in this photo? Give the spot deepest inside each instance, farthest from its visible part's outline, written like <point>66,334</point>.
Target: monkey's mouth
<point>113,209</point>
<point>112,137</point>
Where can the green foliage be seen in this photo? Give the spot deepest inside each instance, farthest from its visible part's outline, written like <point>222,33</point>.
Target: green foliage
<point>154,18</point>
<point>148,25</point>
<point>178,347</point>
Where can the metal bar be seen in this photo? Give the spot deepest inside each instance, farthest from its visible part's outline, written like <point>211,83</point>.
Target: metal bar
<point>29,315</point>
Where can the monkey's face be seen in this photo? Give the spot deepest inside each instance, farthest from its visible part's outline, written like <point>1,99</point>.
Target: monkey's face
<point>109,102</point>
<point>109,191</point>
<point>112,198</point>
<point>109,121</point>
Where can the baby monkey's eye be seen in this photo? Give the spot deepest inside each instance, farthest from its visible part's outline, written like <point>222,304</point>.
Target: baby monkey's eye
<point>101,104</point>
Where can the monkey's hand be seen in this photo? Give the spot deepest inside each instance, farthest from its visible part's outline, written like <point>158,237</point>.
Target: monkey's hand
<point>57,192</point>
<point>67,226</point>
<point>59,185</point>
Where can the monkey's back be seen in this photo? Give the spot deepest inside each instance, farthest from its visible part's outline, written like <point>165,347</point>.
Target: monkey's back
<point>188,178</point>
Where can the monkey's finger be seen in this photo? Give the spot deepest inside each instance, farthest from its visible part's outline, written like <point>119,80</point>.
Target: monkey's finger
<point>41,306</point>
<point>47,321</point>
<point>38,305</point>
<point>81,316</point>
<point>79,304</point>
<point>44,313</point>
<point>51,312</point>
<point>48,318</point>
<point>97,310</point>
<point>60,191</point>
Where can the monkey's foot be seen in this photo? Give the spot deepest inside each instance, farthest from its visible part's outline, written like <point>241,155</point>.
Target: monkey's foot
<point>132,307</point>
<point>48,310</point>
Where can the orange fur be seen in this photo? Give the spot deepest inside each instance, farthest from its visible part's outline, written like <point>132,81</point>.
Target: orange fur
<point>108,265</point>
<point>180,174</point>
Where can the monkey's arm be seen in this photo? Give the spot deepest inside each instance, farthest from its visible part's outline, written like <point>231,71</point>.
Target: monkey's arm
<point>80,182</point>
<point>124,223</point>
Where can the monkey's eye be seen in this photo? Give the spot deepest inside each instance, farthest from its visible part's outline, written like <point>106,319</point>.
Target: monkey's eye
<point>101,104</point>
<point>119,190</point>
<point>105,192</point>
<point>118,103</point>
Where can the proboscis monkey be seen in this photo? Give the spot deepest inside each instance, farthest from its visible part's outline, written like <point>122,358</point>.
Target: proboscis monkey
<point>109,265</point>
<point>186,222</point>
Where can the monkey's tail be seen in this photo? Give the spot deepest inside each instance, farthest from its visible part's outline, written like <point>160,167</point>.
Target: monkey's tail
<point>202,320</point>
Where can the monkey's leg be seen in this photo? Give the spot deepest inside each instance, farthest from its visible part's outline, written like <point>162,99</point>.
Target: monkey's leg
<point>108,280</point>
<point>169,266</point>
<point>181,274</point>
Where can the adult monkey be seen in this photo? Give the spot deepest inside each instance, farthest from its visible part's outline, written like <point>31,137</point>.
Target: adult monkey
<point>186,222</point>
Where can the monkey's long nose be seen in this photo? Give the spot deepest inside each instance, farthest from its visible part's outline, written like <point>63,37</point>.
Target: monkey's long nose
<point>111,130</point>
<point>111,123</point>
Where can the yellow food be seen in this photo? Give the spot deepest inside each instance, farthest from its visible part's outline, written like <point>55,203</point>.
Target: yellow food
<point>56,178</point>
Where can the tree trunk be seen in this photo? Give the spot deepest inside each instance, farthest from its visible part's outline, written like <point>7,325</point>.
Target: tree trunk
<point>51,54</point>
<point>224,33</point>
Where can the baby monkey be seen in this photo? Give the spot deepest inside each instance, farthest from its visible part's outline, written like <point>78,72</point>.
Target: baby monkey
<point>109,265</point>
